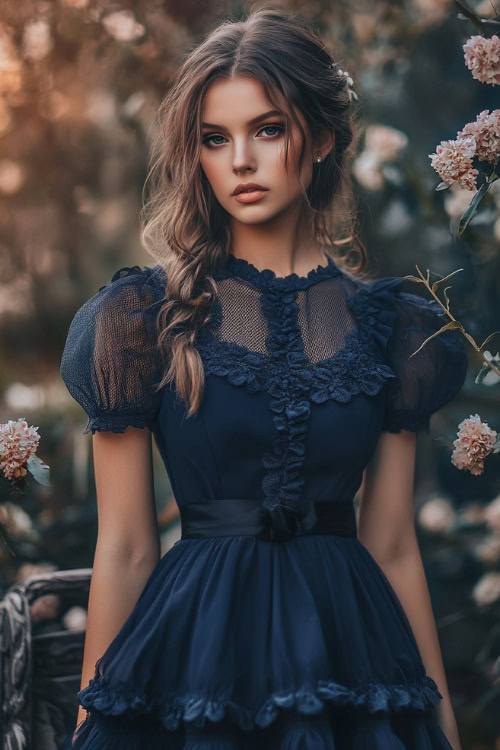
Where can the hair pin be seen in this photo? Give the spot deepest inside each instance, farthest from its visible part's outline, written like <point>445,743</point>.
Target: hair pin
<point>349,82</point>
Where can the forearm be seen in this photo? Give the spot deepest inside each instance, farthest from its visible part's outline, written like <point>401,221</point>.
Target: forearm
<point>116,584</point>
<point>407,577</point>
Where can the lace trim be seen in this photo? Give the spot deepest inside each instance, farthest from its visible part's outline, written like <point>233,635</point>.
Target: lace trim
<point>266,278</point>
<point>110,423</point>
<point>293,384</point>
<point>375,310</point>
<point>308,699</point>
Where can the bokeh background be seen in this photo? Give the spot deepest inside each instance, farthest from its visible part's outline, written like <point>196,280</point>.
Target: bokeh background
<point>80,81</point>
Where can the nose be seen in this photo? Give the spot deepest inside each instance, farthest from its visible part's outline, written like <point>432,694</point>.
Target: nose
<point>243,159</point>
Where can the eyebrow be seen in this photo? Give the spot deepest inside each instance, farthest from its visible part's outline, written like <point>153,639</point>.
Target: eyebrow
<point>250,122</point>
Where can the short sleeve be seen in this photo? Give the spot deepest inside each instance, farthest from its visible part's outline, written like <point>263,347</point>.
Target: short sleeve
<point>431,378</point>
<point>111,361</point>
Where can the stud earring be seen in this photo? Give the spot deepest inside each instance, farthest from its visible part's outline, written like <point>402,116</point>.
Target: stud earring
<point>319,158</point>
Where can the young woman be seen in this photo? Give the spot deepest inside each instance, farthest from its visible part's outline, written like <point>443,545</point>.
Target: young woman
<point>277,382</point>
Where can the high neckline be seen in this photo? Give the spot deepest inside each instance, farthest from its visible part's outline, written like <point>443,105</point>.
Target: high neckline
<point>266,277</point>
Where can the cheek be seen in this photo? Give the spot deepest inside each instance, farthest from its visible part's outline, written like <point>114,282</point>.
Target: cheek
<point>206,165</point>
<point>212,171</point>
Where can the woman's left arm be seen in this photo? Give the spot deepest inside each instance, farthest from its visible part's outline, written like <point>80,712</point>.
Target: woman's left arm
<point>386,527</point>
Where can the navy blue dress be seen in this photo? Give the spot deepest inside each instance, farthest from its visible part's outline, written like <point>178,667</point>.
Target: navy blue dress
<point>268,624</point>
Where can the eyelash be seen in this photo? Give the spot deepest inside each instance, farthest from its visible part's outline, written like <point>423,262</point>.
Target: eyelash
<point>277,127</point>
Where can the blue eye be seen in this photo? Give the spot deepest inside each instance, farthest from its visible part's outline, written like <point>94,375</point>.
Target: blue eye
<point>273,127</point>
<point>209,138</point>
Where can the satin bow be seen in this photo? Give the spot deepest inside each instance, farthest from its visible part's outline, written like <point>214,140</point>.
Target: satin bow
<point>285,522</point>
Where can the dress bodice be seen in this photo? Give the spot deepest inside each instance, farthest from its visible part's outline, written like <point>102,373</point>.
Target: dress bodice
<point>233,634</point>
<point>302,374</point>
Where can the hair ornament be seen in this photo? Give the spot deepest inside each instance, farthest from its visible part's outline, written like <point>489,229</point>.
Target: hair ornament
<point>348,80</point>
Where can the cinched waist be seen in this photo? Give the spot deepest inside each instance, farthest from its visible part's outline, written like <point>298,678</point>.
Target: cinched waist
<point>235,516</point>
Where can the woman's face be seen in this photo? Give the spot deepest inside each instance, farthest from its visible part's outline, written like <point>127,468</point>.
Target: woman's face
<point>234,150</point>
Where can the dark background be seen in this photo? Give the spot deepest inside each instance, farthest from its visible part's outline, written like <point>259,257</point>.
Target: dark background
<point>80,81</point>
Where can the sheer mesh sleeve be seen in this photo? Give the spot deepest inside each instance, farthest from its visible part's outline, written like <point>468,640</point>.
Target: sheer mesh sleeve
<point>431,378</point>
<point>111,361</point>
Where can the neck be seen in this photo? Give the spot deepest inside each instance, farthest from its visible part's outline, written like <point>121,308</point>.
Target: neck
<point>280,248</point>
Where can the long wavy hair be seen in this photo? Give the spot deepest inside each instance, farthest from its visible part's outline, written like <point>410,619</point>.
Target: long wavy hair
<point>183,226</point>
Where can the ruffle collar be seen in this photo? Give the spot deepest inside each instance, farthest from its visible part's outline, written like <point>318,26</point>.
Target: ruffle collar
<point>266,278</point>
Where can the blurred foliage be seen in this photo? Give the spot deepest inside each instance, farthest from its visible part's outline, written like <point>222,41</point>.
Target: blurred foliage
<point>80,81</point>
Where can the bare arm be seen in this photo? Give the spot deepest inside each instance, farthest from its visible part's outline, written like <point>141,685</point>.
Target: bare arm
<point>386,527</point>
<point>128,545</point>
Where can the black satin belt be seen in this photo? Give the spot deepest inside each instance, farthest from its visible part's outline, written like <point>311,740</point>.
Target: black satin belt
<point>235,516</point>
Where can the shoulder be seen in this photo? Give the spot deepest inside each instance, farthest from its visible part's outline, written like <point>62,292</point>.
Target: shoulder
<point>132,296</point>
<point>152,277</point>
<point>132,288</point>
<point>429,361</point>
<point>384,304</point>
<point>120,316</point>
<point>111,362</point>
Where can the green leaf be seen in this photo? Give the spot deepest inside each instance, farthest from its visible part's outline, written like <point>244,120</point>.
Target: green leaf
<point>39,470</point>
<point>471,210</point>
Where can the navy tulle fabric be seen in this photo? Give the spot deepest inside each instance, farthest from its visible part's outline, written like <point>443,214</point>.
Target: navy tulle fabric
<point>268,623</point>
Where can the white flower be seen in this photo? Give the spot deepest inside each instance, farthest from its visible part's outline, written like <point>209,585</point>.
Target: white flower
<point>482,57</point>
<point>16,520</point>
<point>37,39</point>
<point>474,443</point>
<point>18,443</point>
<point>487,589</point>
<point>492,514</point>
<point>452,161</point>
<point>75,618</point>
<point>349,83</point>
<point>437,515</point>
<point>122,26</point>
<point>489,549</point>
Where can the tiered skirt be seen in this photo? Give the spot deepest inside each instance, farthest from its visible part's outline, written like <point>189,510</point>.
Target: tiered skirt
<point>236,642</point>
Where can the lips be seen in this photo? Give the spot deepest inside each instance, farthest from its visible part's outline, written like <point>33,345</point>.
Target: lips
<point>247,187</point>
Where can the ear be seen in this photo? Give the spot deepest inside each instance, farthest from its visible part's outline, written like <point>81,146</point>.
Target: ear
<point>325,144</point>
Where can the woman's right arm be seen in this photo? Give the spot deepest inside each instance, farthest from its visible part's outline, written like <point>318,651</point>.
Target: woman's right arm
<point>128,544</point>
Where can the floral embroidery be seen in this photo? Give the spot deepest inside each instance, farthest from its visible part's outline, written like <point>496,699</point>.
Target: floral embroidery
<point>421,695</point>
<point>291,382</point>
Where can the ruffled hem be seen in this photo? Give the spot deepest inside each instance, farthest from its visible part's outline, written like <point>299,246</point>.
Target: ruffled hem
<point>198,709</point>
<point>330,729</point>
<point>339,637</point>
<point>110,423</point>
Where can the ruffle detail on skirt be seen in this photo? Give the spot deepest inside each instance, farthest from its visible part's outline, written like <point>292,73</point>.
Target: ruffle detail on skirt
<point>198,709</point>
<point>327,730</point>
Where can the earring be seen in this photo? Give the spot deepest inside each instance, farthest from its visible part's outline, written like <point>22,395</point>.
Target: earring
<point>319,158</point>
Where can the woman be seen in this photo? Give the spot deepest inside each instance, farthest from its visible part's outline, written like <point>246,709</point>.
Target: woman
<point>276,383</point>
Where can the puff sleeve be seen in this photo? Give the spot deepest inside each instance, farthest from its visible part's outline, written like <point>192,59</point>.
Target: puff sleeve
<point>431,378</point>
<point>111,362</point>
